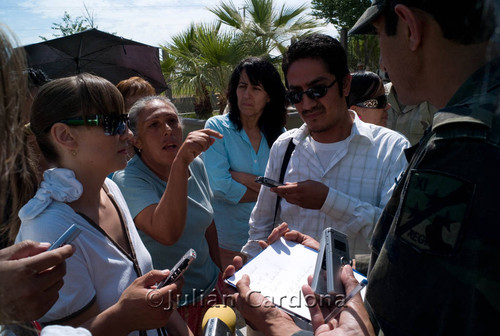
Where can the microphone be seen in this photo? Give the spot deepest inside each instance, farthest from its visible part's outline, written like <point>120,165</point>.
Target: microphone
<point>219,320</point>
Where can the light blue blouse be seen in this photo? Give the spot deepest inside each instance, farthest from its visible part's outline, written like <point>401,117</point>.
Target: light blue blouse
<point>234,152</point>
<point>141,188</point>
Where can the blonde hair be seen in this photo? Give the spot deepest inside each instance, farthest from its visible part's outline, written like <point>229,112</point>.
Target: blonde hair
<point>18,176</point>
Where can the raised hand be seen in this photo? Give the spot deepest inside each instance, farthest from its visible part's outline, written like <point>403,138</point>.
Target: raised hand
<point>197,142</point>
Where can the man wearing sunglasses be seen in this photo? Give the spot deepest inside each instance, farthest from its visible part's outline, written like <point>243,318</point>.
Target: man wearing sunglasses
<point>342,170</point>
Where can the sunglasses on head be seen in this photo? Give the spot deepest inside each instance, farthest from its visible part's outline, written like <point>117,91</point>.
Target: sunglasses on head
<point>113,124</point>
<point>374,103</point>
<point>316,92</point>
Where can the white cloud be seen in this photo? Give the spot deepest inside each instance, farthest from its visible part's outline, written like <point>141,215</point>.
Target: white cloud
<point>148,21</point>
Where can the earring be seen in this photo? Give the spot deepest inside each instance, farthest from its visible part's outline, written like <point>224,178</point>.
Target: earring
<point>73,152</point>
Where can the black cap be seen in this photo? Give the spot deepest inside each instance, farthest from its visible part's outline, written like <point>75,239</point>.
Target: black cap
<point>363,25</point>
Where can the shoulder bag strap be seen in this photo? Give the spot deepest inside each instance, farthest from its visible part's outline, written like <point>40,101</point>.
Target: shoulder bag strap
<point>284,165</point>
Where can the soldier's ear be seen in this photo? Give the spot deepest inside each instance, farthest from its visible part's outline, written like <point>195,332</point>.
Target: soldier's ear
<point>412,25</point>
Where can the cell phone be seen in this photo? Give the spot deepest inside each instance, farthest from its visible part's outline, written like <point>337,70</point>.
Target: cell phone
<point>179,268</point>
<point>333,254</point>
<point>268,182</point>
<point>66,238</point>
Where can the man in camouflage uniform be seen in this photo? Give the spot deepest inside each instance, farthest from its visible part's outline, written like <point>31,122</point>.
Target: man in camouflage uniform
<point>409,120</point>
<point>436,249</point>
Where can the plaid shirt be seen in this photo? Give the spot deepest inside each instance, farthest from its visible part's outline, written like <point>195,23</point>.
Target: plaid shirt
<point>360,176</point>
<point>409,120</point>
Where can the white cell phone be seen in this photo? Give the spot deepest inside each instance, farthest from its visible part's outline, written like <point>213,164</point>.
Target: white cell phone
<point>178,270</point>
<point>66,238</point>
<point>333,254</point>
<point>268,182</point>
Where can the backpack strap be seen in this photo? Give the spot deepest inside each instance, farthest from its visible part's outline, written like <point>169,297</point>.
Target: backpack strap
<point>284,165</point>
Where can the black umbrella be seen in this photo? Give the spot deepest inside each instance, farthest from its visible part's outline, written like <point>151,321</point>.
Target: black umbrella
<point>99,53</point>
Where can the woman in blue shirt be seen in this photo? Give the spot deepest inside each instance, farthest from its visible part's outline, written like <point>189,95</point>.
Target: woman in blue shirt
<point>257,116</point>
<point>167,191</point>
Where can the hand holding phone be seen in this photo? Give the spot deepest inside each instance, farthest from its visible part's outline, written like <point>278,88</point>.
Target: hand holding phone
<point>268,182</point>
<point>178,270</point>
<point>66,238</point>
<point>333,254</point>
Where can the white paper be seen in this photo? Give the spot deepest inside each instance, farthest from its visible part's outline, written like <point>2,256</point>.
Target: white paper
<point>280,271</point>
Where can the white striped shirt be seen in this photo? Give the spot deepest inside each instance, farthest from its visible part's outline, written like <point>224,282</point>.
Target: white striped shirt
<point>361,176</point>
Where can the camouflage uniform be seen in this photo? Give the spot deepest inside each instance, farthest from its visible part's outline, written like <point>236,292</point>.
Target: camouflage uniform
<point>435,267</point>
<point>409,120</point>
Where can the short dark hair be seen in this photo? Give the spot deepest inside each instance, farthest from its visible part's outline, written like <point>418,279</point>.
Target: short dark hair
<point>364,86</point>
<point>261,71</point>
<point>464,21</point>
<point>322,47</point>
<point>36,78</point>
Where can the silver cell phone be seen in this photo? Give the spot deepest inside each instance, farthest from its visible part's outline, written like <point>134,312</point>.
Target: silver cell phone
<point>179,268</point>
<point>333,254</point>
<point>66,238</point>
<point>268,182</point>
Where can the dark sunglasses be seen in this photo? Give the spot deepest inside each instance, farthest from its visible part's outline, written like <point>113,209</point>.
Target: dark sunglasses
<point>374,103</point>
<point>113,124</point>
<point>316,92</point>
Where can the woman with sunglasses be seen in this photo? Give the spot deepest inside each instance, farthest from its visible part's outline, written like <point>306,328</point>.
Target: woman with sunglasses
<point>80,128</point>
<point>167,190</point>
<point>367,97</point>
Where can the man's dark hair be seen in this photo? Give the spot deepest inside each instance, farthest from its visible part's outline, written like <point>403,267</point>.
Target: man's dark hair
<point>36,78</point>
<point>462,21</point>
<point>322,47</point>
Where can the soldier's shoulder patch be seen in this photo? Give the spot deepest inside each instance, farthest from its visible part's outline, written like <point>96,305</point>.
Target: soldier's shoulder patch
<point>433,212</point>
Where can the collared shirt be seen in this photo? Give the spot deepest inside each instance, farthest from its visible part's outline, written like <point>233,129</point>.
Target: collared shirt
<point>233,152</point>
<point>360,177</point>
<point>409,120</point>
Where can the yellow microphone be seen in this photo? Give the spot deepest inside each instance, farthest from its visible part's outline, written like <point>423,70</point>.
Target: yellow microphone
<point>219,320</point>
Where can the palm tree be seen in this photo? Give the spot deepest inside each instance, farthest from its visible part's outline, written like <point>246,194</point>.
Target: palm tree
<point>267,28</point>
<point>203,57</point>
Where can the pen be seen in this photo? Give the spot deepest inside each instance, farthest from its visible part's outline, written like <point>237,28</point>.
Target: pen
<point>336,311</point>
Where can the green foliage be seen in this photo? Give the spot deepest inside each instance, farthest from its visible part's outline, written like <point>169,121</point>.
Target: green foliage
<point>70,25</point>
<point>200,61</point>
<point>343,14</point>
<point>264,26</point>
<point>364,50</point>
<point>340,13</point>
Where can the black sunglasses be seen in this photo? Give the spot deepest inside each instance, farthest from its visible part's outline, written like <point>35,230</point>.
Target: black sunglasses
<point>316,92</point>
<point>113,124</point>
<point>374,103</point>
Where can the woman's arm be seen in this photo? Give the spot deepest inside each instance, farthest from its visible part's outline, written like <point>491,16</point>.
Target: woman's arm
<point>213,244</point>
<point>247,180</point>
<point>165,221</point>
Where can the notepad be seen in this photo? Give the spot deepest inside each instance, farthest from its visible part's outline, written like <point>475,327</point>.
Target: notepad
<point>279,272</point>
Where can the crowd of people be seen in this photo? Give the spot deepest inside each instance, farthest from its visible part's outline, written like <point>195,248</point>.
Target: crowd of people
<point>415,197</point>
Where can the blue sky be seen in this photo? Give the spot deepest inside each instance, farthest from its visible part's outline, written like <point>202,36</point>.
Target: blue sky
<point>148,21</point>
